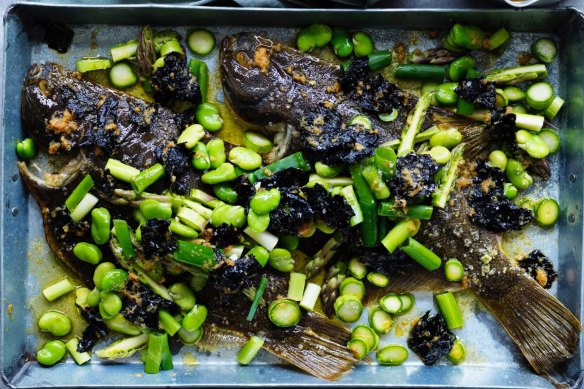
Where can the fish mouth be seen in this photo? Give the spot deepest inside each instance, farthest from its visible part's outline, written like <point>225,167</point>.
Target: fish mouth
<point>34,74</point>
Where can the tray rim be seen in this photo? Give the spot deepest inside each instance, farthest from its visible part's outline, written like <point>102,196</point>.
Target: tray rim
<point>11,7</point>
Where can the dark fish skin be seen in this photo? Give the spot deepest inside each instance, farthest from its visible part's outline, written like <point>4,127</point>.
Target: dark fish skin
<point>268,82</point>
<point>544,329</point>
<point>315,344</point>
<point>66,114</point>
<point>289,83</point>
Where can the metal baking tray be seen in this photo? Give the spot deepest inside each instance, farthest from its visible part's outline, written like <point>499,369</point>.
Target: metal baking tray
<point>27,265</point>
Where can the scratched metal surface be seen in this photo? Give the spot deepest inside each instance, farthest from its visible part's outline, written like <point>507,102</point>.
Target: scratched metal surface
<point>493,361</point>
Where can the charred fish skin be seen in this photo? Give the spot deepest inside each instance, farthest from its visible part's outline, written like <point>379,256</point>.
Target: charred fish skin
<point>266,81</point>
<point>65,114</point>
<point>542,327</point>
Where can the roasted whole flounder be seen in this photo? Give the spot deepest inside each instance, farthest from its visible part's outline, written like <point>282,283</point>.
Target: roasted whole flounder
<point>266,81</point>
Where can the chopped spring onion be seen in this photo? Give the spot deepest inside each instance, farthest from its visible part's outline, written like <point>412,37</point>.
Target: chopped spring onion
<point>79,357</point>
<point>539,95</point>
<point>348,308</point>
<point>400,233</point>
<point>391,303</point>
<point>249,350</point>
<point>79,192</point>
<point>84,207</point>
<point>265,239</point>
<point>257,298</point>
<point>457,353</point>
<point>421,137</point>
<point>205,198</point>
<point>154,354</point>
<point>357,269</point>
<point>513,93</point>
<point>124,50</point>
<point>380,321</point>
<point>191,218</point>
<point>551,139</point>
<point>234,251</point>
<point>450,310</point>
<point>421,254</point>
<point>201,41</point>
<point>547,212</point>
<point>499,39</point>
<point>168,322</point>
<point>378,279</point>
<point>408,301</point>
<point>123,347</point>
<point>147,177</point>
<point>389,117</point>
<point>121,171</point>
<point>296,286</point>
<point>58,289</point>
<point>423,212</point>
<point>333,181</point>
<point>191,135</point>
<point>529,122</point>
<point>294,161</point>
<point>200,209</point>
<point>453,270</point>
<point>122,75</point>
<point>171,46</point>
<point>200,70</point>
<point>122,233</point>
<point>194,254</point>
<point>368,206</point>
<point>415,120</point>
<point>358,347</point>
<point>88,64</point>
<point>284,313</point>
<point>352,286</point>
<point>392,355</point>
<point>349,194</point>
<point>310,297</point>
<point>450,173</point>
<point>166,363</point>
<point>256,142</point>
<point>367,335</point>
<point>553,109</point>
<point>360,120</point>
<point>545,50</point>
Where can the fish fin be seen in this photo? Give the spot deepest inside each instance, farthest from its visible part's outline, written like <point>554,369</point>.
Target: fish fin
<point>541,167</point>
<point>543,328</point>
<point>215,336</point>
<point>315,345</point>
<point>51,189</point>
<point>476,139</point>
<point>416,280</point>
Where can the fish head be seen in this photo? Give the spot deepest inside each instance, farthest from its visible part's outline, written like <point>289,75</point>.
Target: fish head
<point>249,76</point>
<point>48,113</point>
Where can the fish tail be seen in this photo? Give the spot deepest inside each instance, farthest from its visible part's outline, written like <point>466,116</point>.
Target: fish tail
<point>543,328</point>
<point>315,345</point>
